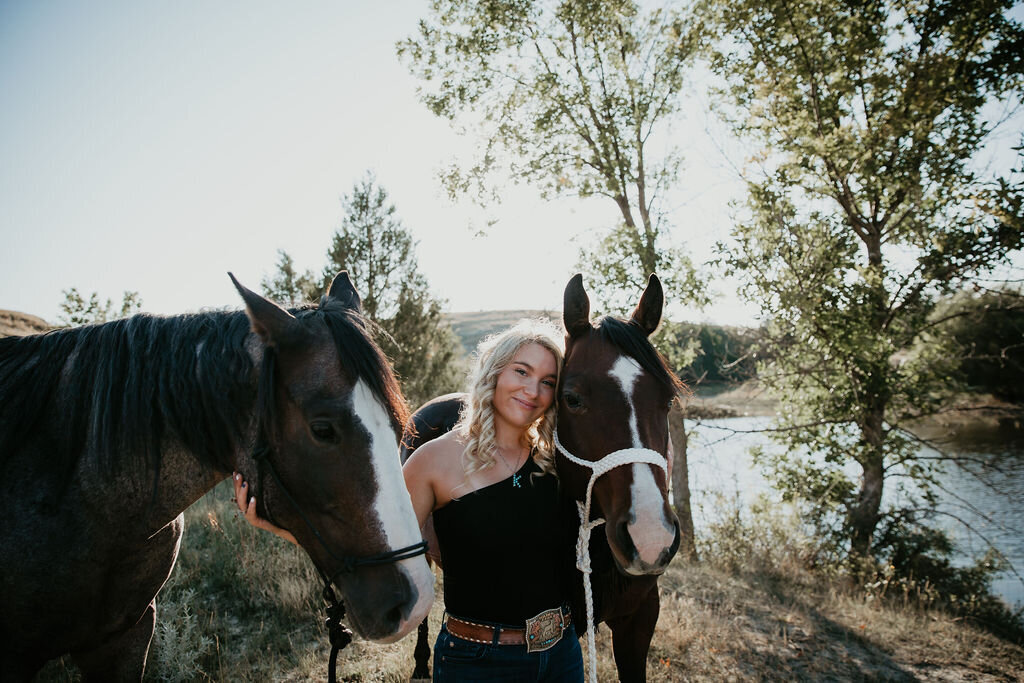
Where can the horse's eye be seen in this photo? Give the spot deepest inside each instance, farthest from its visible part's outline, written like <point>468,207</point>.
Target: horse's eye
<point>322,431</point>
<point>573,401</point>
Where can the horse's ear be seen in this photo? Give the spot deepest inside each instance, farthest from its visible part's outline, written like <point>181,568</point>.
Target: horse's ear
<point>272,323</point>
<point>648,312</point>
<point>576,307</point>
<point>344,292</point>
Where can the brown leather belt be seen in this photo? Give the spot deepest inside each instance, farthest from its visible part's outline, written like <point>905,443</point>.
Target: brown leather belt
<point>482,633</point>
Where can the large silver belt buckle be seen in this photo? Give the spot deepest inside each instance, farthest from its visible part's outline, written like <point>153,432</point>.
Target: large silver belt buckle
<point>544,630</point>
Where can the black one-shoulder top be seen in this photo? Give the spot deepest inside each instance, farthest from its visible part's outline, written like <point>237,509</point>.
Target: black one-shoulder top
<point>502,549</point>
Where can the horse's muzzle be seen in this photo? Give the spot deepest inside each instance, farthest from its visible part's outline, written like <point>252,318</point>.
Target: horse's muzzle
<point>642,551</point>
<point>386,603</point>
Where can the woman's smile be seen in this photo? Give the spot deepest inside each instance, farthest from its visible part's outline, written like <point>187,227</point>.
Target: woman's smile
<point>525,388</point>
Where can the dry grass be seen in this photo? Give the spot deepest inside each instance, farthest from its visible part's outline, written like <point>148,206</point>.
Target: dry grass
<point>756,627</point>
<point>720,626</point>
<point>243,606</point>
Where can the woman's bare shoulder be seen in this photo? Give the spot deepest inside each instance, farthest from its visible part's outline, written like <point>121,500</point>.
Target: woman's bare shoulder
<point>437,464</point>
<point>441,453</point>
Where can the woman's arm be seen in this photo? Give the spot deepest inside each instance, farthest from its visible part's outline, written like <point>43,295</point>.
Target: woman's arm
<point>420,478</point>
<point>248,509</point>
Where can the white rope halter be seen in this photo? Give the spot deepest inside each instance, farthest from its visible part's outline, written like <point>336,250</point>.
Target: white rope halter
<point>625,456</point>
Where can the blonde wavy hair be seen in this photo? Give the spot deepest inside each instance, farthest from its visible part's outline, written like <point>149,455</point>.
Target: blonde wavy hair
<point>476,422</point>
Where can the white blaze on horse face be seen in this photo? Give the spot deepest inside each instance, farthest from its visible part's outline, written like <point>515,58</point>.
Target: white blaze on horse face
<point>626,372</point>
<point>652,533</point>
<point>392,505</point>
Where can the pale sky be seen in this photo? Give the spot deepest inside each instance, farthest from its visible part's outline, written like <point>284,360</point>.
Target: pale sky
<point>154,146</point>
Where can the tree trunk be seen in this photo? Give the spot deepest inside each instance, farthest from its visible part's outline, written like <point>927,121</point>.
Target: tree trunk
<point>863,517</point>
<point>681,481</point>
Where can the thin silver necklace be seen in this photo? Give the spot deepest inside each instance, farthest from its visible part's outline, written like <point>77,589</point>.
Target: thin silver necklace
<point>516,478</point>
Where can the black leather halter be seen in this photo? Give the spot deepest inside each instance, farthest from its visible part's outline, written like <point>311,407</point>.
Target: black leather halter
<point>339,634</point>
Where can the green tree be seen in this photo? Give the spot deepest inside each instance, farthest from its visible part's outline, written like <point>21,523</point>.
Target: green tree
<point>724,354</point>
<point>379,254</point>
<point>984,331</point>
<point>573,98</point>
<point>568,97</point>
<point>76,310</point>
<point>288,286</point>
<point>866,206</point>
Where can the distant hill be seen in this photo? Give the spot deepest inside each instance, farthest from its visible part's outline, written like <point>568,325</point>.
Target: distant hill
<point>472,327</point>
<point>15,324</point>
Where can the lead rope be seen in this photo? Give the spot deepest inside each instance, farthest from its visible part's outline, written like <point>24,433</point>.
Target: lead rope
<point>625,456</point>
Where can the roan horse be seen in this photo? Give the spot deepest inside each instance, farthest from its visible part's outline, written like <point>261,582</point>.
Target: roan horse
<point>614,396</point>
<point>108,432</point>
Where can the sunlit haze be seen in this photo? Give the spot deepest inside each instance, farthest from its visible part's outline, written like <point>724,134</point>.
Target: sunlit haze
<point>153,147</point>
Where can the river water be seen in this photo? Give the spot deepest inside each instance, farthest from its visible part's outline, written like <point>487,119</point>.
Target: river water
<point>990,497</point>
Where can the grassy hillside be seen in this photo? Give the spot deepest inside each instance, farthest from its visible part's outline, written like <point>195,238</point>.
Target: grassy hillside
<point>472,327</point>
<point>15,324</point>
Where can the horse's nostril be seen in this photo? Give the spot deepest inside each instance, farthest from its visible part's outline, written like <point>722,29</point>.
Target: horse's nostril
<point>625,540</point>
<point>670,552</point>
<point>401,608</point>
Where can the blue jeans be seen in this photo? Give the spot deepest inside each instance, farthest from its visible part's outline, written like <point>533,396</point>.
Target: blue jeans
<point>463,661</point>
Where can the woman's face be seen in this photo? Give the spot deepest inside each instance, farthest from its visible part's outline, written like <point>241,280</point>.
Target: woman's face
<point>526,386</point>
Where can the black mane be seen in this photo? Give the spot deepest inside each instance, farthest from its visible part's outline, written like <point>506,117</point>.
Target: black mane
<point>361,358</point>
<point>122,388</point>
<point>631,340</point>
<point>129,387</point>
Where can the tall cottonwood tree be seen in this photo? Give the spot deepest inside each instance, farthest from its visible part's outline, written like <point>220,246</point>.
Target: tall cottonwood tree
<point>866,205</point>
<point>379,254</point>
<point>567,97</point>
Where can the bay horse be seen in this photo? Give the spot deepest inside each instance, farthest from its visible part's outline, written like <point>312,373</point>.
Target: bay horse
<point>614,397</point>
<point>108,432</point>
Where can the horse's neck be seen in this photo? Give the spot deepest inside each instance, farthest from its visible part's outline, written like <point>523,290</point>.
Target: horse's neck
<point>183,476</point>
<point>157,493</point>
<point>143,500</point>
<point>183,480</point>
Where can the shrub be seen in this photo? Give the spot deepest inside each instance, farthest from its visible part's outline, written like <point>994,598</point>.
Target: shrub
<point>766,537</point>
<point>254,597</point>
<point>179,642</point>
<point>915,566</point>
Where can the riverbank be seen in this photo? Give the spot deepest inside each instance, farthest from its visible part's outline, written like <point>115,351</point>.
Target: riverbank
<point>969,416</point>
<point>748,399</point>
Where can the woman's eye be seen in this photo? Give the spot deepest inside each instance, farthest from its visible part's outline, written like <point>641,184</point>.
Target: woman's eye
<point>520,371</point>
<point>323,431</point>
<point>548,383</point>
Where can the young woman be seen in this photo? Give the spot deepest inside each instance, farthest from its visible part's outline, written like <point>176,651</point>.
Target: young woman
<point>491,490</point>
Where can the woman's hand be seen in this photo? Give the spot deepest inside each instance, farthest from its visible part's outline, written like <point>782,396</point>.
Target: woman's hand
<point>247,506</point>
